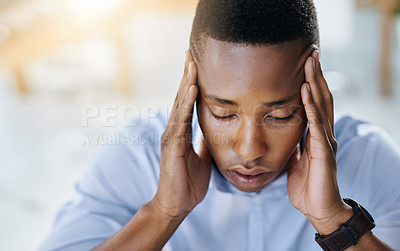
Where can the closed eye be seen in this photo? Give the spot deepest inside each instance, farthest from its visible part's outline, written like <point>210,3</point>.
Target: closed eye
<point>220,117</point>
<point>282,119</point>
<point>285,118</point>
<point>223,117</point>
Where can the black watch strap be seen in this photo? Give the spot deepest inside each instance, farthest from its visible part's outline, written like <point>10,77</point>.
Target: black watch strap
<point>348,233</point>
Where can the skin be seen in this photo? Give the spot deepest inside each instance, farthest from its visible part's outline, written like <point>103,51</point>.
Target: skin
<point>250,138</point>
<point>249,134</point>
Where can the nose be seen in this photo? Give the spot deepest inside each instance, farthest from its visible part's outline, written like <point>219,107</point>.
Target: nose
<point>249,142</point>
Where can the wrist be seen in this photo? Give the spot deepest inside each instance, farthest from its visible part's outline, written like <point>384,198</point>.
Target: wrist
<point>327,225</point>
<point>156,210</point>
<point>350,232</point>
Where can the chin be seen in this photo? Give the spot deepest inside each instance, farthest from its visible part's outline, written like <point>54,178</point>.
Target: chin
<point>249,189</point>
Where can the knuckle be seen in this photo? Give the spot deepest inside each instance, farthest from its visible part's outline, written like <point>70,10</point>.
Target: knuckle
<point>183,81</point>
<point>177,103</point>
<point>164,140</point>
<point>185,112</point>
<point>187,107</point>
<point>314,117</point>
<point>318,117</point>
<point>311,109</point>
<point>176,118</point>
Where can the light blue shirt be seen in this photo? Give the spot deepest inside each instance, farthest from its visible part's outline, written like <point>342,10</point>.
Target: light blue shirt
<point>125,176</point>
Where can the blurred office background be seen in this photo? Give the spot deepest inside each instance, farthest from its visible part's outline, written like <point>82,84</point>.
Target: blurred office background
<point>64,60</point>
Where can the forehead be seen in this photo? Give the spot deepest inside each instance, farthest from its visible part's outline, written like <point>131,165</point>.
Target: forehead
<point>236,70</point>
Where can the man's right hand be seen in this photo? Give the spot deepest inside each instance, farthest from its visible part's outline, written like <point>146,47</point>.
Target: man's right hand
<point>184,175</point>
<point>184,178</point>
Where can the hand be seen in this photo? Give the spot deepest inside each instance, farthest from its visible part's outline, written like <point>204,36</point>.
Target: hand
<point>312,185</point>
<point>184,175</point>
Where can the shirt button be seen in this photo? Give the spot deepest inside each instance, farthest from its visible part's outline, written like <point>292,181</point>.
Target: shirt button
<point>257,200</point>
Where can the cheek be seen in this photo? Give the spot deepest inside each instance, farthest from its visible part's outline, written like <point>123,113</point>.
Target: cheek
<point>282,141</point>
<point>285,139</point>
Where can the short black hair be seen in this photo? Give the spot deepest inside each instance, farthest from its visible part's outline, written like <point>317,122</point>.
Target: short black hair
<point>254,22</point>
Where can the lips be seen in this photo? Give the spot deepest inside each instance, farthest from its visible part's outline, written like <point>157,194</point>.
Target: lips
<point>249,171</point>
<point>248,179</point>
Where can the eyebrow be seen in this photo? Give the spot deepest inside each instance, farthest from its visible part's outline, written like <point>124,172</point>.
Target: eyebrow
<point>221,100</point>
<point>282,101</point>
<point>279,102</point>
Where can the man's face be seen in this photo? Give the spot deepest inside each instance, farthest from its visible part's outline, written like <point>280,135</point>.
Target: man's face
<point>250,108</point>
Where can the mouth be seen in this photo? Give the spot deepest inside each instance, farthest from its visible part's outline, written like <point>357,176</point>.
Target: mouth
<point>248,180</point>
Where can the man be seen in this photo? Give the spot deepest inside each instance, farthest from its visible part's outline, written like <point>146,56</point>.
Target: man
<point>270,167</point>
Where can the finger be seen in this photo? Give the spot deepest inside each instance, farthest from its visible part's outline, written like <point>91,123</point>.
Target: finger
<point>179,100</point>
<point>186,63</point>
<point>316,126</point>
<point>318,98</point>
<point>183,129</point>
<point>191,81</point>
<point>327,99</point>
<point>190,56</point>
<point>183,80</point>
<point>326,93</point>
<point>180,133</point>
<point>188,60</point>
<point>187,80</point>
<point>311,78</point>
<point>185,75</point>
<point>204,152</point>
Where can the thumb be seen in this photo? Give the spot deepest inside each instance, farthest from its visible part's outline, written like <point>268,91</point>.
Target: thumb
<point>315,121</point>
<point>204,152</point>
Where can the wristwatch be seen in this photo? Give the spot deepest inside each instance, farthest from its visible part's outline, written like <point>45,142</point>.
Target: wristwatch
<point>348,233</point>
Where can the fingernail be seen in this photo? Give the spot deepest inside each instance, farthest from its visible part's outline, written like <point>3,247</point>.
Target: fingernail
<point>190,67</point>
<point>317,55</point>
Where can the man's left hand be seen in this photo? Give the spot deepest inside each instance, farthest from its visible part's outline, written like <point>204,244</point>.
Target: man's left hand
<point>312,185</point>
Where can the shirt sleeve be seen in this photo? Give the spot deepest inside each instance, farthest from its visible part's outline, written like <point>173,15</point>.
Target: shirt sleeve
<point>384,189</point>
<point>368,172</point>
<point>123,178</point>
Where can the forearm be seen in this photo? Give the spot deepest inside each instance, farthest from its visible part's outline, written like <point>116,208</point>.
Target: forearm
<point>369,241</point>
<point>147,230</point>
